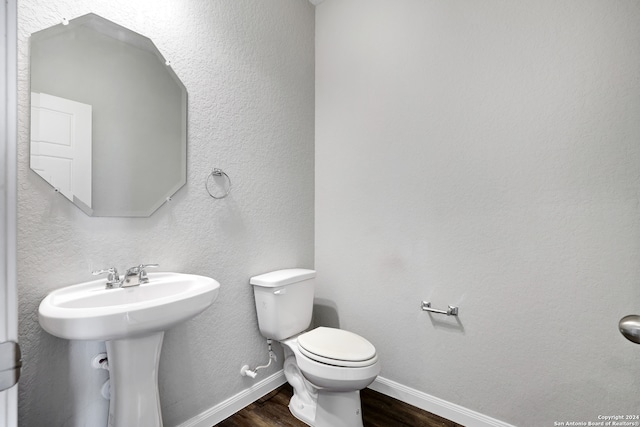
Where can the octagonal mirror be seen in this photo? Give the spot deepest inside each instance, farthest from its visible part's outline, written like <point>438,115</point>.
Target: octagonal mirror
<point>108,118</point>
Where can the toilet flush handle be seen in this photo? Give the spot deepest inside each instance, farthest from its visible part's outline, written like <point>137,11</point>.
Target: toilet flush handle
<point>280,291</point>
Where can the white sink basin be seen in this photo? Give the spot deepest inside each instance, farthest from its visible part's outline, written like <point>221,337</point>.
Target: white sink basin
<point>88,311</point>
<point>132,321</point>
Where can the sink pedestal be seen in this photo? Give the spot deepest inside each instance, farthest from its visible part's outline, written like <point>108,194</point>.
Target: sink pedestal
<point>133,379</point>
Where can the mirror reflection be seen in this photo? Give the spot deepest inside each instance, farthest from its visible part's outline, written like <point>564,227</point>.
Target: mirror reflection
<point>108,118</point>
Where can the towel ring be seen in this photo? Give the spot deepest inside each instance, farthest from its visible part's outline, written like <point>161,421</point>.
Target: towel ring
<point>218,172</point>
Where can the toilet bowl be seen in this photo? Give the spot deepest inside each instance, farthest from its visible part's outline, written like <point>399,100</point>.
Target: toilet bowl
<point>326,367</point>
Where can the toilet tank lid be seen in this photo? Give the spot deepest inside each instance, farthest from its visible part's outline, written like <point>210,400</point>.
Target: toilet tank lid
<point>282,277</point>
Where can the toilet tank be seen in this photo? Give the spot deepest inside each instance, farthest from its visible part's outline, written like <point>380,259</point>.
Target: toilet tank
<point>284,301</point>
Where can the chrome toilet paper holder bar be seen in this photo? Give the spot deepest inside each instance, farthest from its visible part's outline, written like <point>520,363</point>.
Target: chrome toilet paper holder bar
<point>451,311</point>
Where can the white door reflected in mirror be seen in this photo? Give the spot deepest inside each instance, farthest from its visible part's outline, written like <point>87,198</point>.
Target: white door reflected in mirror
<point>61,146</point>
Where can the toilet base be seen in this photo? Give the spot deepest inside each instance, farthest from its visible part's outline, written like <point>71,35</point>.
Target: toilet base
<point>318,406</point>
<point>305,412</point>
<point>332,409</point>
<point>338,409</point>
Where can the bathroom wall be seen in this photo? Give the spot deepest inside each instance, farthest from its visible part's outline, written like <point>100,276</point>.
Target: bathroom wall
<point>484,154</point>
<point>248,67</point>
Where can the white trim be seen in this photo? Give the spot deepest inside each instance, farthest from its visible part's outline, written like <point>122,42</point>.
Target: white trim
<point>224,410</point>
<point>8,159</point>
<point>8,189</point>
<point>435,405</point>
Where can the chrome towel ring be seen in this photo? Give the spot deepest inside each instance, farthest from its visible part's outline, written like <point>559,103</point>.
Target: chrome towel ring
<point>218,172</point>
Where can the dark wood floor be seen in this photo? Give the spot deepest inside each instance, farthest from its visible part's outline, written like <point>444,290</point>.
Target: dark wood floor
<point>378,410</point>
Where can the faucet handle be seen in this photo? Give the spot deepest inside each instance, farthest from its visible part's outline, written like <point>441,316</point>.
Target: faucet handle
<point>110,270</point>
<point>136,269</point>
<point>143,274</point>
<point>139,271</point>
<point>112,276</point>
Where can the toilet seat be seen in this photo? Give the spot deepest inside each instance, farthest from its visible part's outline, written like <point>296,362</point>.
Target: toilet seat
<point>337,347</point>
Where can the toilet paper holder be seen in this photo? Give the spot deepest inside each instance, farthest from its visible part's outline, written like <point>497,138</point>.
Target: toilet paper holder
<point>451,311</point>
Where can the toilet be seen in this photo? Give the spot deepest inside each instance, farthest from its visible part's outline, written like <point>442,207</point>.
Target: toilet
<point>326,367</point>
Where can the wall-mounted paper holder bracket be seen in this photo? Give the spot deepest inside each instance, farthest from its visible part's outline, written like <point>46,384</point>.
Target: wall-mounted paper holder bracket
<point>451,311</point>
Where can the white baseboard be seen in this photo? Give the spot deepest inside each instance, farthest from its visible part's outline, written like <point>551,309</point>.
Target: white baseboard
<point>224,410</point>
<point>435,405</point>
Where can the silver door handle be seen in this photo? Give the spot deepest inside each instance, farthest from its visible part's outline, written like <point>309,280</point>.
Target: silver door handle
<point>10,364</point>
<point>630,327</point>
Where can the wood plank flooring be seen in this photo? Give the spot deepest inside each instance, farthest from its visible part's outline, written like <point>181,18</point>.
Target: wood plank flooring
<point>378,410</point>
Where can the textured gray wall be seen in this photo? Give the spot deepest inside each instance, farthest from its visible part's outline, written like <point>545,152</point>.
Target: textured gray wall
<point>248,67</point>
<point>485,154</point>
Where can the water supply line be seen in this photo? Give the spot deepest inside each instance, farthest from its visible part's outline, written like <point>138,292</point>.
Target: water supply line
<point>246,371</point>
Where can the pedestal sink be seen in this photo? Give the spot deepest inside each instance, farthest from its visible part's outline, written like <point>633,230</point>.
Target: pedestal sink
<point>132,321</point>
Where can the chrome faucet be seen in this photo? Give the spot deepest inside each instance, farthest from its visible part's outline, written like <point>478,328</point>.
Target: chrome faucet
<point>113,279</point>
<point>136,275</point>
<point>133,277</point>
